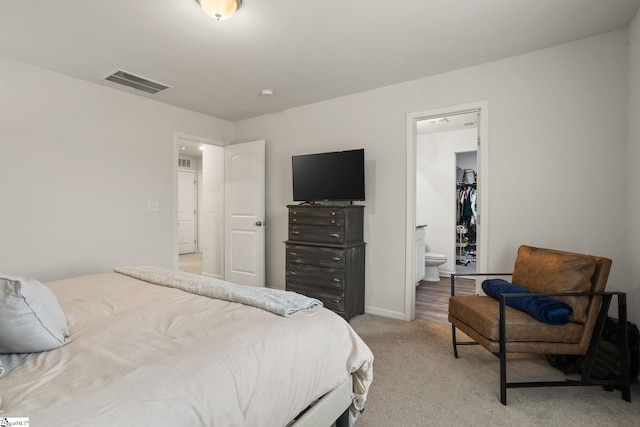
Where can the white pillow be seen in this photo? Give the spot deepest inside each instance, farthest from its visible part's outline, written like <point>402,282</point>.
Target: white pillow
<point>31,319</point>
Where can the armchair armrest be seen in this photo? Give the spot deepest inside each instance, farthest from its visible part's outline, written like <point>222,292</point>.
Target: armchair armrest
<point>597,331</point>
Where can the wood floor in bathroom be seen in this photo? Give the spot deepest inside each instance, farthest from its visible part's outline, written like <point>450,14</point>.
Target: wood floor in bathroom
<point>432,298</point>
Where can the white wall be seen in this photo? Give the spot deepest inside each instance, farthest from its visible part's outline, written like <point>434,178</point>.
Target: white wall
<point>466,160</point>
<point>436,188</point>
<point>79,163</point>
<point>557,118</point>
<point>196,162</point>
<point>631,280</point>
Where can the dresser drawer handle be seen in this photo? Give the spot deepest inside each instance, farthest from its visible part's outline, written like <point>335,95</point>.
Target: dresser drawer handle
<point>333,214</point>
<point>333,221</point>
<point>294,220</point>
<point>336,280</point>
<point>335,300</point>
<point>296,232</point>
<point>336,258</point>
<point>336,235</point>
<point>292,253</point>
<point>292,273</point>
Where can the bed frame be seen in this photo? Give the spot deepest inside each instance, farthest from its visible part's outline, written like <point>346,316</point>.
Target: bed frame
<point>331,408</point>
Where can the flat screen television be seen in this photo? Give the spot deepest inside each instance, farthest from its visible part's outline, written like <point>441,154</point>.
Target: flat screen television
<point>335,176</point>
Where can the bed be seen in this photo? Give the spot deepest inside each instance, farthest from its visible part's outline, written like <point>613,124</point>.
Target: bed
<point>141,353</point>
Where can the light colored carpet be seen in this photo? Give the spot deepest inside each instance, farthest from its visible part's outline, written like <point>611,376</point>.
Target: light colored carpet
<point>418,382</point>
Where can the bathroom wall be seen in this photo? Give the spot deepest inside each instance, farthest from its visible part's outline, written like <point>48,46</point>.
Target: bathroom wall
<point>436,188</point>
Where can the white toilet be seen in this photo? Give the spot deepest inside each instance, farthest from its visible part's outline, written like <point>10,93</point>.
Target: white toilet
<point>431,263</point>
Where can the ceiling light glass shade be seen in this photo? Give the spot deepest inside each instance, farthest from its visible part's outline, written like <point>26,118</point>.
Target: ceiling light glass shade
<point>220,9</point>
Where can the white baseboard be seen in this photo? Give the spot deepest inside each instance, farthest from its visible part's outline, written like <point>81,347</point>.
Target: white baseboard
<point>384,313</point>
<point>217,276</point>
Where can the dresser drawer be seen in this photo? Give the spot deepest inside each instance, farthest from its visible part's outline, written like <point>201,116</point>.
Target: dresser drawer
<point>316,216</point>
<point>320,256</point>
<point>316,233</point>
<point>331,299</point>
<point>311,275</point>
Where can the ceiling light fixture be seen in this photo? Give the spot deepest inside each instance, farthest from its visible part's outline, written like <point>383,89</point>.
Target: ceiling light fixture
<point>220,9</point>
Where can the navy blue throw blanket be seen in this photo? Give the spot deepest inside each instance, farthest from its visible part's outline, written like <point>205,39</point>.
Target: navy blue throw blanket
<point>545,309</point>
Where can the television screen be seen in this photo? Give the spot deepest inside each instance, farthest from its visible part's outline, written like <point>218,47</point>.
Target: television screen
<point>328,176</point>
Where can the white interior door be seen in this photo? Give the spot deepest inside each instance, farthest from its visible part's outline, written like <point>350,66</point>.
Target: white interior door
<point>244,170</point>
<point>186,211</point>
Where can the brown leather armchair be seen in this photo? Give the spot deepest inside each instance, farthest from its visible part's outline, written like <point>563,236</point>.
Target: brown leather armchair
<point>576,279</point>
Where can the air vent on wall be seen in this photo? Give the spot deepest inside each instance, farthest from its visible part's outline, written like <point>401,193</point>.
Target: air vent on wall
<point>184,163</point>
<point>136,82</point>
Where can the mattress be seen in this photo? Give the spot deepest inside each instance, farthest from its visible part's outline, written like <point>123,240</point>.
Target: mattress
<point>143,354</point>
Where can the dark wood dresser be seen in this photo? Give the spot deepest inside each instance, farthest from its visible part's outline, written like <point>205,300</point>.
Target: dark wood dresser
<point>325,256</point>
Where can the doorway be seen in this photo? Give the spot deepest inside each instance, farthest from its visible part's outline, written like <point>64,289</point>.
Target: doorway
<point>195,160</point>
<point>231,199</point>
<point>189,202</point>
<point>446,147</point>
<point>441,233</point>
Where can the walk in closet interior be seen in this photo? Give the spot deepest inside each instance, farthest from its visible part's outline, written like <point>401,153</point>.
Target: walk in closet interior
<point>466,211</point>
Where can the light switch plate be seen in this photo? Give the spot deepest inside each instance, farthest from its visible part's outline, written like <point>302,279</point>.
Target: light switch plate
<point>153,206</point>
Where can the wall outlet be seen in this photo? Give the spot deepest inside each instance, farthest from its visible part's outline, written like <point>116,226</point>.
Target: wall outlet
<point>153,206</point>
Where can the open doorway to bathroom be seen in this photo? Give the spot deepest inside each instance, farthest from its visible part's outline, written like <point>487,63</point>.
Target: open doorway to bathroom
<point>446,209</point>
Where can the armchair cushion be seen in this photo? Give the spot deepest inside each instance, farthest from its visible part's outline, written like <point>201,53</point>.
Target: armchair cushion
<point>483,313</point>
<point>543,308</point>
<point>547,270</point>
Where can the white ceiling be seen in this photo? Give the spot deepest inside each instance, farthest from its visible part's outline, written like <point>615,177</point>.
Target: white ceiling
<point>304,50</point>
<point>447,123</point>
<point>190,149</point>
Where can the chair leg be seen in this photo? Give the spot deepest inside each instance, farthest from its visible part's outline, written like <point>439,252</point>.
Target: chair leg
<point>503,351</point>
<point>624,347</point>
<point>453,327</point>
<point>453,337</point>
<point>503,377</point>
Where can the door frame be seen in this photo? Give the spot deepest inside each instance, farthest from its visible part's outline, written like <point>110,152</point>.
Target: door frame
<point>177,138</point>
<point>482,259</point>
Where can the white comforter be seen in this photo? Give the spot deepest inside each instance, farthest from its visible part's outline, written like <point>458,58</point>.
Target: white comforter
<point>143,354</point>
